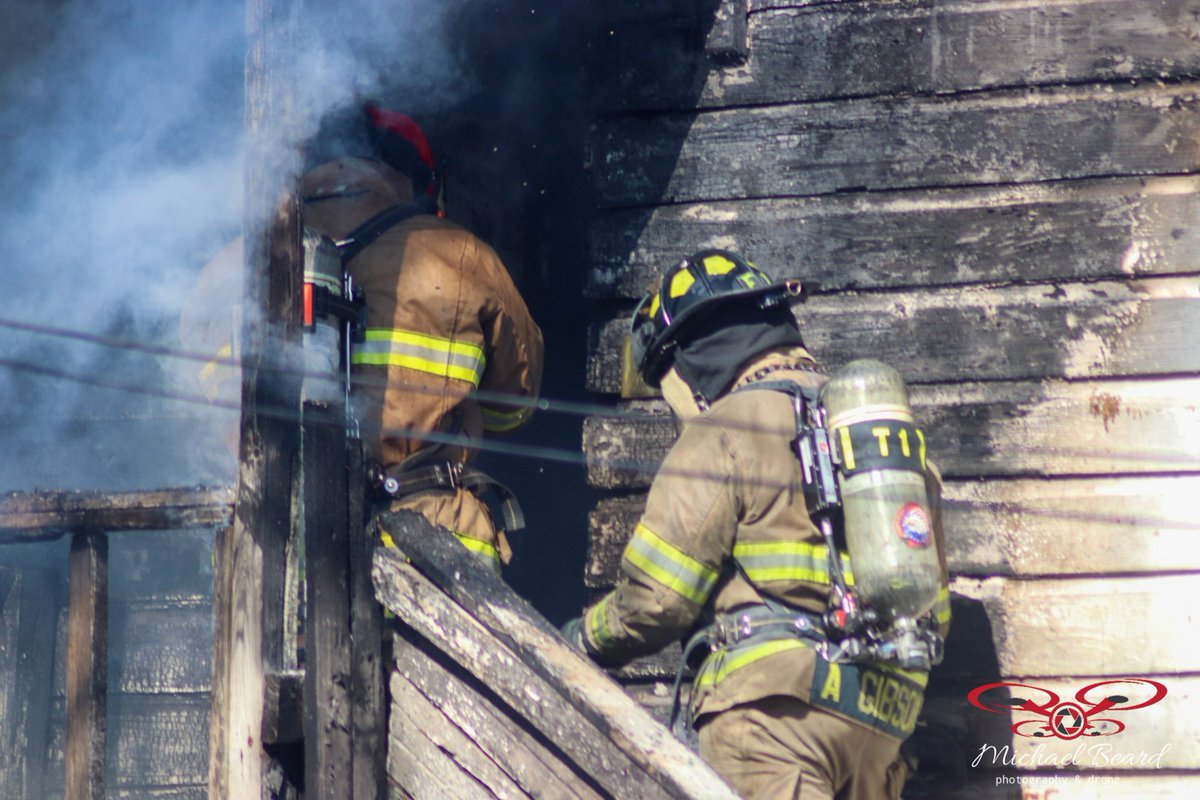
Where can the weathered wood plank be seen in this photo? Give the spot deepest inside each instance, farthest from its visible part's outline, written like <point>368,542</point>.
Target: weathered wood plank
<point>253,639</point>
<point>419,727</point>
<point>804,51</point>
<point>156,744</point>
<point>367,695</point>
<point>27,636</point>
<point>1085,626</point>
<point>328,680</point>
<point>819,148</point>
<point>975,430</point>
<point>1025,528</point>
<point>537,767</point>
<point>162,642</point>
<point>32,516</point>
<point>221,648</point>
<point>418,766</point>
<point>1068,330</point>
<point>498,637</point>
<point>85,753</point>
<point>1077,230</point>
<point>283,707</point>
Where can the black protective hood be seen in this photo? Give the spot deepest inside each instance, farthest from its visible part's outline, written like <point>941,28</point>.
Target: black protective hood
<point>711,359</point>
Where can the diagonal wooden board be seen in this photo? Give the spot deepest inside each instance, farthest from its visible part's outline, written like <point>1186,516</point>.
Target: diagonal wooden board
<point>476,619</point>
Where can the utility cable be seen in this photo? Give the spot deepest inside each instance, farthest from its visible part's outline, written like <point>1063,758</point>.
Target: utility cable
<point>649,467</point>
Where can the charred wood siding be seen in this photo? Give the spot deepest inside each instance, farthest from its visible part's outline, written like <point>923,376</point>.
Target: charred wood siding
<point>999,199</point>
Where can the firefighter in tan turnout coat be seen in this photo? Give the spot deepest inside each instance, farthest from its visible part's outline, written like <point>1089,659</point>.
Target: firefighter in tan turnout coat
<point>725,530</point>
<point>448,338</point>
<point>443,320</point>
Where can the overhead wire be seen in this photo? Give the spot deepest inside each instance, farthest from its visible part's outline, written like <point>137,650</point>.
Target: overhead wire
<point>643,466</point>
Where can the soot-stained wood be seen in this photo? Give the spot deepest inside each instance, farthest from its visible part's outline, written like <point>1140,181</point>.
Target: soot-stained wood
<point>481,732</point>
<point>1023,528</point>
<point>156,744</point>
<point>804,51</point>
<point>1067,330</point>
<point>85,749</point>
<point>1063,626</point>
<point>32,516</point>
<point>476,619</point>
<point>820,148</point>
<point>163,645</point>
<point>28,598</point>
<point>1077,230</point>
<point>974,430</point>
<point>328,681</point>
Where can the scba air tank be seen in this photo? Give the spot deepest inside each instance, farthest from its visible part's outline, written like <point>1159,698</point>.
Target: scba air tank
<point>889,530</point>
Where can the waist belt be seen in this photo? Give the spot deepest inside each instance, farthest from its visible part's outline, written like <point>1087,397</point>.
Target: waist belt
<point>750,624</point>
<point>396,482</point>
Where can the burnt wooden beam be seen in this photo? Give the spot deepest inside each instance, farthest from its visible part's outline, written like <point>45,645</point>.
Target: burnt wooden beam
<point>368,703</point>
<point>820,148</point>
<point>820,51</point>
<point>283,708</point>
<point>34,516</point>
<point>29,603</point>
<point>86,751</point>
<point>1020,528</point>
<point>1065,330</point>
<point>472,616</point>
<point>251,642</point>
<point>728,40</point>
<point>328,721</point>
<point>1068,231</point>
<point>999,429</point>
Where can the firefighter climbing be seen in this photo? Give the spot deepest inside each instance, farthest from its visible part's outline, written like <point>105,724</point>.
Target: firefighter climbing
<point>810,676</point>
<point>444,340</point>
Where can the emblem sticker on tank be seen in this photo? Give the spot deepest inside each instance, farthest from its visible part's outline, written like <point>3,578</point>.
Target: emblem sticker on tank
<point>912,523</point>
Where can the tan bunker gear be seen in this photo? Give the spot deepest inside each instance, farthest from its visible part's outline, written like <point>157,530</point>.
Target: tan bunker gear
<point>769,709</point>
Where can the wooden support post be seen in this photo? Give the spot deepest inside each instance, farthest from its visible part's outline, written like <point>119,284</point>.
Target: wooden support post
<point>87,668</point>
<point>327,669</point>
<point>250,643</point>
<point>368,704</point>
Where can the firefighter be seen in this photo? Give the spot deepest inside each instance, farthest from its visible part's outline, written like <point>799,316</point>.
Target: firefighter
<point>443,322</point>
<point>449,352</point>
<point>726,537</point>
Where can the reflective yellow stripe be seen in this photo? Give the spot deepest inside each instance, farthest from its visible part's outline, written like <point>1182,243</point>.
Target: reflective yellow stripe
<point>941,606</point>
<point>788,561</point>
<point>479,547</point>
<point>670,566</point>
<point>393,347</point>
<point>210,380</point>
<point>597,626</point>
<point>486,550</point>
<point>500,421</point>
<point>723,662</point>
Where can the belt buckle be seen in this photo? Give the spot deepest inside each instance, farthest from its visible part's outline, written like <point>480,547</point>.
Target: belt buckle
<point>744,627</point>
<point>453,474</point>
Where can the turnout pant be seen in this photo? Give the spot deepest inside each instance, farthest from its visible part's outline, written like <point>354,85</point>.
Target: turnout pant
<point>781,748</point>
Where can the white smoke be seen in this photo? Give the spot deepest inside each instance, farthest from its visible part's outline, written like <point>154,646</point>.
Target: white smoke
<point>121,174</point>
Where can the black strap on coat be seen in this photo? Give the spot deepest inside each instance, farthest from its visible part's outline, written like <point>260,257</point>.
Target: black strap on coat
<point>362,236</point>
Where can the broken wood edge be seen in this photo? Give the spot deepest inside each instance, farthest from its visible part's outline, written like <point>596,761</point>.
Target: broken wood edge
<point>439,563</point>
